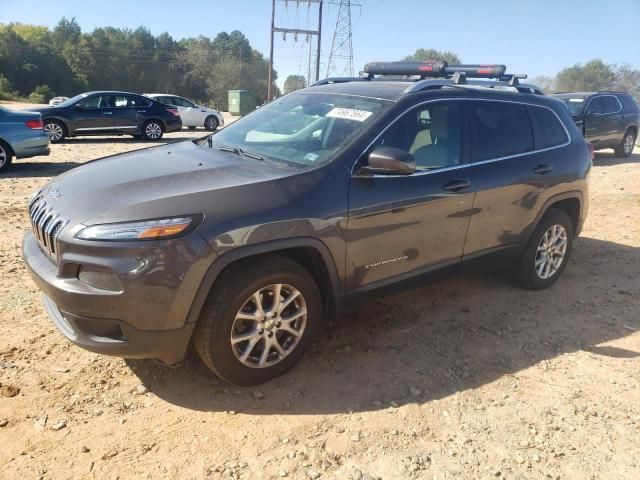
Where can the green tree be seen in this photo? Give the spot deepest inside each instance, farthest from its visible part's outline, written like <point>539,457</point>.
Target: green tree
<point>628,80</point>
<point>592,76</point>
<point>294,82</point>
<point>545,82</point>
<point>433,54</point>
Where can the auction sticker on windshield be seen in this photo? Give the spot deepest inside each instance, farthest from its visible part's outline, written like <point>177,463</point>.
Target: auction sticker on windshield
<point>349,114</point>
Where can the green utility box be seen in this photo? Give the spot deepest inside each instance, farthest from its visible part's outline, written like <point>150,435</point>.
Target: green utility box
<point>241,102</point>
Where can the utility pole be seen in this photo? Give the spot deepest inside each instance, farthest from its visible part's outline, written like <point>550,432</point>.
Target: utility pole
<point>342,45</point>
<point>295,31</point>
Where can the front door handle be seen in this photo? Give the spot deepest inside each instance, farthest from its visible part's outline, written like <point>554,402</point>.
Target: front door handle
<point>107,113</point>
<point>141,111</point>
<point>457,185</point>
<point>542,169</point>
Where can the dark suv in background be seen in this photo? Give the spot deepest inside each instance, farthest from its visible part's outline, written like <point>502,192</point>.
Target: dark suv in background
<point>247,241</point>
<point>606,119</point>
<point>109,113</point>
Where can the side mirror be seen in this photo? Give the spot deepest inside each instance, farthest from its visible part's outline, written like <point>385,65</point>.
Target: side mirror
<point>389,161</point>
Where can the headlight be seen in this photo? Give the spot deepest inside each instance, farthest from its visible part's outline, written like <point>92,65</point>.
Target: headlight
<point>144,230</point>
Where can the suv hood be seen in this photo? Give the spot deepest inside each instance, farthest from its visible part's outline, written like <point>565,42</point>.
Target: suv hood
<point>164,181</point>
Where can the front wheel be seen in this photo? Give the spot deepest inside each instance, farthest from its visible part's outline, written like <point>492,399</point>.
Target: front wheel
<point>5,157</point>
<point>211,123</point>
<point>547,252</point>
<point>259,320</point>
<point>56,130</point>
<point>625,149</point>
<point>152,130</point>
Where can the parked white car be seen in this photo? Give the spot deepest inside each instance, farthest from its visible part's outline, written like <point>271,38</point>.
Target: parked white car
<point>192,115</point>
<point>57,100</point>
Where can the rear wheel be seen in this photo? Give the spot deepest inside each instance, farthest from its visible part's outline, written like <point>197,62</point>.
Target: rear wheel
<point>211,123</point>
<point>625,149</point>
<point>547,252</point>
<point>152,130</point>
<point>56,130</point>
<point>258,320</point>
<point>6,155</point>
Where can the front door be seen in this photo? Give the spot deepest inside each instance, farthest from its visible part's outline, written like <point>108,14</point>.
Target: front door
<point>401,225</point>
<point>596,122</point>
<point>94,114</point>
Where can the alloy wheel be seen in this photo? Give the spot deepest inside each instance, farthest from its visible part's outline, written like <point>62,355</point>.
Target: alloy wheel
<point>3,156</point>
<point>211,123</point>
<point>551,252</point>
<point>269,326</point>
<point>54,131</point>
<point>153,131</point>
<point>628,144</point>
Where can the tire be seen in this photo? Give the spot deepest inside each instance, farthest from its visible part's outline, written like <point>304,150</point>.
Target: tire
<point>211,123</point>
<point>233,296</point>
<point>6,157</point>
<point>152,130</point>
<point>625,149</point>
<point>56,130</point>
<point>531,261</point>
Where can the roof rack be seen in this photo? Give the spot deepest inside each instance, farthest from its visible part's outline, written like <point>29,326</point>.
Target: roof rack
<point>433,74</point>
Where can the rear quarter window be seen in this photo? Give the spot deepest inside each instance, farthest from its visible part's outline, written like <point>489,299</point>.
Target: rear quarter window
<point>629,103</point>
<point>547,130</point>
<point>500,129</point>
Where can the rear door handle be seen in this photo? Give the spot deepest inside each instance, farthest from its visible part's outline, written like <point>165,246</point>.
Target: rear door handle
<point>107,113</point>
<point>543,169</point>
<point>457,185</point>
<point>141,111</point>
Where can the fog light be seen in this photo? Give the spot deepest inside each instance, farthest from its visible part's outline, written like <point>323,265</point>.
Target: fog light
<point>102,279</point>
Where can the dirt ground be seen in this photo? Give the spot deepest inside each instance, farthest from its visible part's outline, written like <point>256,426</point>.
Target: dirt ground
<point>464,377</point>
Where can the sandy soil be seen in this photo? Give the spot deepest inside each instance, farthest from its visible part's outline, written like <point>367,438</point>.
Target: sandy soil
<point>464,377</point>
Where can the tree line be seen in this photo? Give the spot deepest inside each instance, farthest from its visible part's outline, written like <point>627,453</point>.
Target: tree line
<point>39,63</point>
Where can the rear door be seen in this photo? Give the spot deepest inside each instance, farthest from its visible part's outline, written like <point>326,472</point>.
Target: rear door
<point>614,119</point>
<point>513,171</point>
<point>402,224</point>
<point>94,114</point>
<point>130,113</point>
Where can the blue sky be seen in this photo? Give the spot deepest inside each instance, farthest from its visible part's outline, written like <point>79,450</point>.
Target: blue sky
<point>538,37</point>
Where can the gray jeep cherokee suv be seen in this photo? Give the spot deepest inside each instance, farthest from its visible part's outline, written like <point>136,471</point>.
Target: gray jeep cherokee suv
<point>246,241</point>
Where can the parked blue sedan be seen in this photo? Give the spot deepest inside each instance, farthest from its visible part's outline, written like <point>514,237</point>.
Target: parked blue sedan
<point>21,136</point>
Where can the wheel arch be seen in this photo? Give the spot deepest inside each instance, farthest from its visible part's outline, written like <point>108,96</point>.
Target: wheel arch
<point>309,252</point>
<point>8,145</point>
<point>570,202</point>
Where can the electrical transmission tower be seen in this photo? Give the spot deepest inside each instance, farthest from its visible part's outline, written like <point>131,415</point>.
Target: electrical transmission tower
<point>296,31</point>
<point>341,56</point>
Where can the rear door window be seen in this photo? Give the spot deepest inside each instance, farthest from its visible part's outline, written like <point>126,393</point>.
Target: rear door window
<point>499,129</point>
<point>547,130</point>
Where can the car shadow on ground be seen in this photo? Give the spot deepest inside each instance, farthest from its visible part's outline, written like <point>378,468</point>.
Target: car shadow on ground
<point>608,158</point>
<point>440,338</point>
<point>22,169</point>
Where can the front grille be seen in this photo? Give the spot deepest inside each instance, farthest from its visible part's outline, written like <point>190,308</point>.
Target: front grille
<point>46,224</point>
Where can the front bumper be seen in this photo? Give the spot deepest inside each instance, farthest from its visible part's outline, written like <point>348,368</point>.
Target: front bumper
<point>119,339</point>
<point>144,315</point>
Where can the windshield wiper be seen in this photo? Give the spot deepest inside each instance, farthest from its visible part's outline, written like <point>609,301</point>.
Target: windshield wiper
<point>241,152</point>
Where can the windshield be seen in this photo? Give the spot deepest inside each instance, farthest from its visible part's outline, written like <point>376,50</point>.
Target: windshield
<point>305,128</point>
<point>574,104</point>
<point>71,101</point>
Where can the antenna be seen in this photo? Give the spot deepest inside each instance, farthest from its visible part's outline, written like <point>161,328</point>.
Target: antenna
<point>341,56</point>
